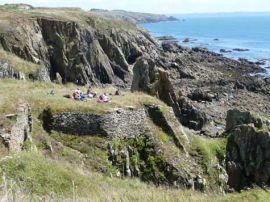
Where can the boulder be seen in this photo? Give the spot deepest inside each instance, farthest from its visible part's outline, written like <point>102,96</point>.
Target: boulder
<point>248,150</point>
<point>241,49</point>
<point>6,70</point>
<point>248,157</point>
<point>167,39</point>
<point>200,95</point>
<point>171,47</point>
<point>225,51</point>
<point>235,118</point>
<point>199,183</point>
<point>190,116</point>
<point>239,85</point>
<point>156,81</point>
<point>145,76</point>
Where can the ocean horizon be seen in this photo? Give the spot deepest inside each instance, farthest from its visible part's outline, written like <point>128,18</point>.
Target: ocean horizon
<point>224,33</point>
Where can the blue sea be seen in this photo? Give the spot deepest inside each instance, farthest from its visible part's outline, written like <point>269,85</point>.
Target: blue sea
<point>221,31</point>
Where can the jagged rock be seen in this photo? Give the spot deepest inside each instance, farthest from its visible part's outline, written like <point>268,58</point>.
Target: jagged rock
<point>222,177</point>
<point>156,82</point>
<point>58,79</point>
<point>248,153</point>
<point>152,80</point>
<point>20,132</point>
<point>199,95</point>
<point>144,158</point>
<point>6,70</point>
<point>145,76</point>
<point>239,85</point>
<point>199,183</point>
<point>42,75</point>
<point>80,54</point>
<point>127,164</point>
<point>235,118</point>
<point>190,116</point>
<point>171,47</point>
<point>225,51</point>
<point>240,49</point>
<point>168,123</point>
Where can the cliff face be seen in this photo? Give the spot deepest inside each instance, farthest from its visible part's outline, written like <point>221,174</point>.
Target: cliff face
<point>79,52</point>
<point>86,49</point>
<point>199,87</point>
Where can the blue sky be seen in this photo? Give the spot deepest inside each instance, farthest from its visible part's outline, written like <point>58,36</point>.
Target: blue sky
<point>159,6</point>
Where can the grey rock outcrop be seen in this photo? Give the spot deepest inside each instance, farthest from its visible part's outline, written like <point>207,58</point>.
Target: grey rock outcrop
<point>236,118</point>
<point>143,157</point>
<point>156,81</point>
<point>248,153</point>
<point>199,95</point>
<point>169,124</point>
<point>6,70</point>
<point>83,54</point>
<point>21,131</point>
<point>43,75</point>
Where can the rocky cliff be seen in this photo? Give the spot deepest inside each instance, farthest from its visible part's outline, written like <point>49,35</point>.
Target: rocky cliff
<point>148,143</point>
<point>134,17</point>
<point>82,50</point>
<point>86,49</point>
<point>195,88</point>
<point>247,158</point>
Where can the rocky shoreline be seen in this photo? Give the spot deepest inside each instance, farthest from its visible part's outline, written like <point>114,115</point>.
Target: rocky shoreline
<point>198,89</point>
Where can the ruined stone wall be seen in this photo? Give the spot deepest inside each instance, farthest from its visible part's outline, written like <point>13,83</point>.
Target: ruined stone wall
<point>119,123</point>
<point>20,131</point>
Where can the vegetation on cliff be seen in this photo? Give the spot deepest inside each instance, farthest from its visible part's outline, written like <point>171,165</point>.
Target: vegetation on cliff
<point>78,48</point>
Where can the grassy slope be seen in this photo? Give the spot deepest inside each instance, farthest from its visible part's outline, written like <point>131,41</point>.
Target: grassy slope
<point>13,92</point>
<point>81,17</point>
<point>43,176</point>
<point>55,173</point>
<point>39,174</point>
<point>18,63</point>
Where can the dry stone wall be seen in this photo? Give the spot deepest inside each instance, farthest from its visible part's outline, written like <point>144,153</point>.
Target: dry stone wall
<point>119,123</point>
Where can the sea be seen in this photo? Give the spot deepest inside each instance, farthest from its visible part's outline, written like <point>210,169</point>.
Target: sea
<point>225,31</point>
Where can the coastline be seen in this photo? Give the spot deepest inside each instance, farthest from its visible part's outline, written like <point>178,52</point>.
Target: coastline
<point>214,40</point>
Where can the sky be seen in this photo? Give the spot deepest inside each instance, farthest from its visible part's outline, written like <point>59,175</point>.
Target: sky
<point>158,6</point>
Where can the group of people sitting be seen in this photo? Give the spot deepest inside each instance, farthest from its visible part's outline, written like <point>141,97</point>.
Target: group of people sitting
<point>80,96</point>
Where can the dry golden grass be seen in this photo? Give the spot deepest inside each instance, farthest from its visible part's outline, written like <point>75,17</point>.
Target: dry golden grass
<point>83,18</point>
<point>13,92</point>
<point>91,186</point>
<point>18,63</point>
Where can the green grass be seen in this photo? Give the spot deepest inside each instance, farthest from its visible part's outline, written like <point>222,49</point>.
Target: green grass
<point>93,148</point>
<point>210,150</point>
<point>209,153</point>
<point>37,176</point>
